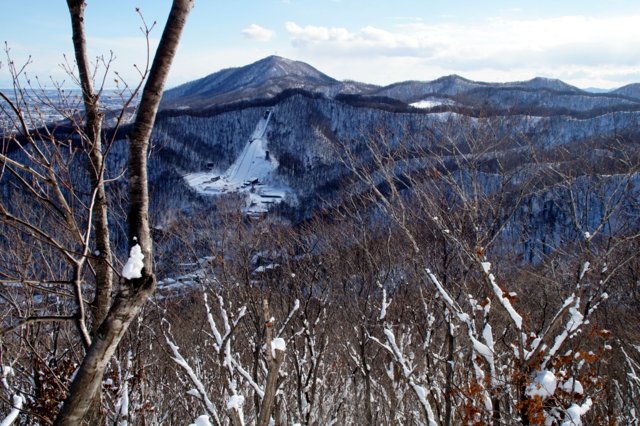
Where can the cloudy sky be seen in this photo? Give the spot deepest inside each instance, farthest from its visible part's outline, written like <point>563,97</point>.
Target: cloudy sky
<point>586,43</point>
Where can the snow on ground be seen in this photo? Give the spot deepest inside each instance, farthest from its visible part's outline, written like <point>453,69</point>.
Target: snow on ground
<point>250,174</point>
<point>432,102</point>
<point>199,274</point>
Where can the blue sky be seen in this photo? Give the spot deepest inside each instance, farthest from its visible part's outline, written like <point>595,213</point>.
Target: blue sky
<point>585,43</point>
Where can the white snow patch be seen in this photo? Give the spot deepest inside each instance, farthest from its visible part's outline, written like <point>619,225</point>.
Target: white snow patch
<point>487,334</point>
<point>421,393</point>
<point>18,402</point>
<point>6,372</point>
<point>202,421</point>
<point>573,386</point>
<point>544,384</point>
<point>515,316</point>
<point>575,412</point>
<point>235,402</point>
<point>576,319</point>
<point>278,344</point>
<point>486,267</point>
<point>133,268</point>
<point>264,268</point>
<point>482,349</point>
<point>432,102</point>
<point>585,268</point>
<point>385,305</point>
<point>124,404</point>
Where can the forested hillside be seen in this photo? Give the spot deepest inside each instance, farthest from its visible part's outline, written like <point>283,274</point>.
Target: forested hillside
<point>471,262</point>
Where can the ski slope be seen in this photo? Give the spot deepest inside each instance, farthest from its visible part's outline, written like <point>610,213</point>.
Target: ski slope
<point>251,174</point>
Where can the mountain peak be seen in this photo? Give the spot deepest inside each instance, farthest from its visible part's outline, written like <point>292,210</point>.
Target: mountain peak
<point>549,84</point>
<point>277,67</point>
<point>454,77</point>
<point>264,78</point>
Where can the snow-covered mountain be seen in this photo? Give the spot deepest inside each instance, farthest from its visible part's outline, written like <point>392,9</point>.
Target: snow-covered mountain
<point>449,86</point>
<point>272,134</point>
<point>455,85</point>
<point>630,90</point>
<point>521,96</point>
<point>271,76</point>
<point>262,79</point>
<point>235,132</point>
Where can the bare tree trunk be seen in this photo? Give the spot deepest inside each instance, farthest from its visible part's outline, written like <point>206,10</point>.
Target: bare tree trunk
<point>367,378</point>
<point>93,140</point>
<point>274,361</point>
<point>448,395</point>
<point>138,216</point>
<point>89,376</point>
<point>134,292</point>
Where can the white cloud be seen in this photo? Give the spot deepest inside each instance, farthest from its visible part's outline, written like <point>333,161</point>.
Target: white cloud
<point>498,47</point>
<point>311,33</point>
<point>257,33</point>
<point>368,40</point>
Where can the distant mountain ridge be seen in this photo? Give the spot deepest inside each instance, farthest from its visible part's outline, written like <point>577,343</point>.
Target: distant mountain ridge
<point>455,85</point>
<point>630,90</point>
<point>273,75</point>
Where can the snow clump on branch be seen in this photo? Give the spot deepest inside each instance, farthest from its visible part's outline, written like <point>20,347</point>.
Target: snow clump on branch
<point>278,344</point>
<point>133,268</point>
<point>202,421</point>
<point>544,385</point>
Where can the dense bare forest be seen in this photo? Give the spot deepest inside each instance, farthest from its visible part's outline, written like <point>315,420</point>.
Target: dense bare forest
<point>449,269</point>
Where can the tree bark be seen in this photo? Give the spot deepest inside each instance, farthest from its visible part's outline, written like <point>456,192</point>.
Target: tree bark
<point>448,392</point>
<point>93,140</point>
<point>134,293</point>
<point>89,376</point>
<point>274,361</point>
<point>367,378</point>
<point>138,215</point>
